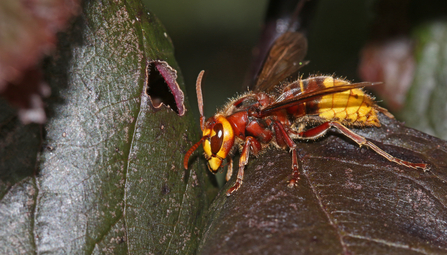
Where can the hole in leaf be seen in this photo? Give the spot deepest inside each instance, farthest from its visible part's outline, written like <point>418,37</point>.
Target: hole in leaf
<point>162,87</point>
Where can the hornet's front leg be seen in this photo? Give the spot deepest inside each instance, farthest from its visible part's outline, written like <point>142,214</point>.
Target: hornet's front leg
<point>250,144</point>
<point>229,169</point>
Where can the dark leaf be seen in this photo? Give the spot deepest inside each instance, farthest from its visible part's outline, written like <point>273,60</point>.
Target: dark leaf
<point>349,200</point>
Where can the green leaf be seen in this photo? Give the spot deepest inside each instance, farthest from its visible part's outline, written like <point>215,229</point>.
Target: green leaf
<point>108,176</point>
<point>425,106</point>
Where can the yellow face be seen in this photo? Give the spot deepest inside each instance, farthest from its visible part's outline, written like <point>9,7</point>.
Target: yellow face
<point>219,143</point>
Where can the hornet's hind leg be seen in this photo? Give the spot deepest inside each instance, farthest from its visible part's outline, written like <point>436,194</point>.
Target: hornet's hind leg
<point>320,130</point>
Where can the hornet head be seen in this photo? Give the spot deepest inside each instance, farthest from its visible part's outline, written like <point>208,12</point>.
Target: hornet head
<point>217,135</point>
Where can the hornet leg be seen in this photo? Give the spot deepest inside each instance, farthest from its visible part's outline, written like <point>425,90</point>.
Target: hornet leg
<point>320,130</point>
<point>291,144</point>
<point>255,146</point>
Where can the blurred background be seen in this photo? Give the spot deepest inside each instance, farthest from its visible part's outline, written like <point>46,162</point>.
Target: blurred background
<point>402,43</point>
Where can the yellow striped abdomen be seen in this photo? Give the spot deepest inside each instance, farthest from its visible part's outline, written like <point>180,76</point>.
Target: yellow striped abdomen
<point>352,107</point>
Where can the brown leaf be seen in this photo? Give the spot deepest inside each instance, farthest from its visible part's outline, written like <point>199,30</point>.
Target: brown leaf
<point>391,62</point>
<point>26,94</point>
<point>28,32</point>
